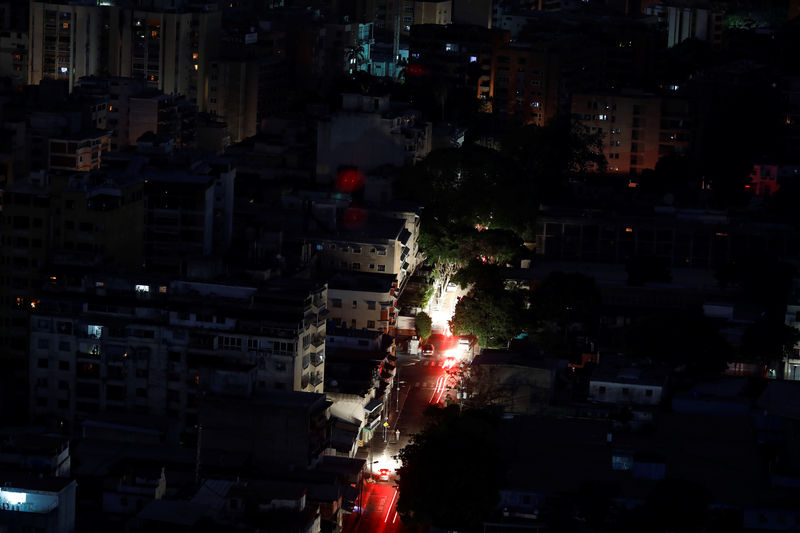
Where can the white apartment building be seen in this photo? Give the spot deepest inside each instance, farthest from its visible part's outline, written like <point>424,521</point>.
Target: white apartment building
<point>379,245</point>
<point>363,301</point>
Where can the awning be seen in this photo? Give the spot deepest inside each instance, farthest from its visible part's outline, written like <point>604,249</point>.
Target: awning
<point>373,404</point>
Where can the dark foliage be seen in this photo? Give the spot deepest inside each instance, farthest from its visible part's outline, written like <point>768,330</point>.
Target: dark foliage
<point>452,471</point>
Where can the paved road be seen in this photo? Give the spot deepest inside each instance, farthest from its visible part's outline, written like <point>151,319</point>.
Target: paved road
<point>379,514</point>
<point>422,383</point>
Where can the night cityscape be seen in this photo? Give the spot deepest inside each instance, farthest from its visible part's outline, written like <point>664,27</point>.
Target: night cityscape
<point>411,266</point>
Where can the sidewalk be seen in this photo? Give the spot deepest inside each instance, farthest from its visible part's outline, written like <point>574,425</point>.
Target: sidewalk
<point>382,450</point>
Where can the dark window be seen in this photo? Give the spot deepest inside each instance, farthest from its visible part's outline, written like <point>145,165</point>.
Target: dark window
<point>43,363</point>
<point>63,365</point>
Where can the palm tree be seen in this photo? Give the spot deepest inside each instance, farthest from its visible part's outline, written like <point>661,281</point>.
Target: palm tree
<point>355,55</point>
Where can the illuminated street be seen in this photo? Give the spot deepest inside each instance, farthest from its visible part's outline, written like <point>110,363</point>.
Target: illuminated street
<point>379,512</point>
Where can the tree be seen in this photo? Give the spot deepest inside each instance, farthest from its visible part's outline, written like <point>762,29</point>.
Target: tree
<point>494,317</point>
<point>355,56</point>
<point>564,298</point>
<point>547,155</point>
<point>768,340</point>
<point>681,338</point>
<point>423,324</point>
<point>452,470</point>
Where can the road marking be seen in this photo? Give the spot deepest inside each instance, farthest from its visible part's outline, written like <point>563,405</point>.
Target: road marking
<point>390,507</point>
<point>395,517</point>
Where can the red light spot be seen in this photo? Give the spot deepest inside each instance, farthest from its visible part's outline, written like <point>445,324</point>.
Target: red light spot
<point>415,70</point>
<point>354,218</point>
<point>349,180</point>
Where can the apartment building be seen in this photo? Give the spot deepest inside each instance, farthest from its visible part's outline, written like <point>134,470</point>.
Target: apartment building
<point>134,109</point>
<point>459,53</point>
<point>682,237</point>
<point>37,503</point>
<point>277,431</point>
<point>65,41</point>
<point>77,220</point>
<point>14,56</point>
<point>233,92</point>
<point>791,361</point>
<point>189,209</point>
<point>525,83</point>
<point>170,49</point>
<point>379,245</point>
<point>369,132</point>
<point>363,301</point>
<point>148,345</point>
<point>398,16</point>
<point>636,128</point>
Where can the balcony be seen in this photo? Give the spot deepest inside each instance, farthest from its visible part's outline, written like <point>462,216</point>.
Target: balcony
<point>316,379</point>
<point>317,360</point>
<point>318,341</point>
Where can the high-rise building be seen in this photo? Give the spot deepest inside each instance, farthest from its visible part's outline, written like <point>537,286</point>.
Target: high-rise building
<point>636,128</point>
<point>170,49</point>
<point>524,83</point>
<point>65,41</point>
<point>76,221</point>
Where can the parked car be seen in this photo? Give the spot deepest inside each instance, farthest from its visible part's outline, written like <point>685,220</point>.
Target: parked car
<point>428,350</point>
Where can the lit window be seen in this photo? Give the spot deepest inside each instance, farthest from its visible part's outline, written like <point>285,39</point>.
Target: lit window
<point>196,67</point>
<point>143,288</point>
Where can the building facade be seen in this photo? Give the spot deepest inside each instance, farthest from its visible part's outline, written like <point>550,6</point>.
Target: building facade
<point>151,346</point>
<point>363,301</point>
<point>636,129</point>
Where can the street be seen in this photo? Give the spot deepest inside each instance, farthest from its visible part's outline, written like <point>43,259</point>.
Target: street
<point>379,514</point>
<point>423,381</point>
<point>420,382</point>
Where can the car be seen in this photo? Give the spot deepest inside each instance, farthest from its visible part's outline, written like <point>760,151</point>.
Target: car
<point>384,474</point>
<point>428,350</point>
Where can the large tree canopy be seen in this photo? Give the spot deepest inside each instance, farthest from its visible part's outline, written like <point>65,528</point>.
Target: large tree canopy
<point>564,297</point>
<point>451,472</point>
<point>470,189</point>
<point>493,316</point>
<point>684,338</point>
